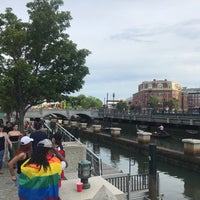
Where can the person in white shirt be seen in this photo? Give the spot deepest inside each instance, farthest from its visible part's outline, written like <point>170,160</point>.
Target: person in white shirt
<point>161,128</point>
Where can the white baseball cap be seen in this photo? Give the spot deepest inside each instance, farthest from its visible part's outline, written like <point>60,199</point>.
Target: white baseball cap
<point>25,140</point>
<point>46,143</point>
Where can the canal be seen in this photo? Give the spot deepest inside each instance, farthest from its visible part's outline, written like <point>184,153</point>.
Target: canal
<point>175,183</point>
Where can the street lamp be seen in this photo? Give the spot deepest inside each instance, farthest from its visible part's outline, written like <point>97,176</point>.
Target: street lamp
<point>113,99</point>
<point>84,172</point>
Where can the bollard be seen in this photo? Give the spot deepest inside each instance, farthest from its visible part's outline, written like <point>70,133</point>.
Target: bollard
<point>152,160</point>
<point>191,146</point>
<point>83,126</point>
<point>153,182</point>
<point>144,137</point>
<point>96,128</point>
<point>115,131</point>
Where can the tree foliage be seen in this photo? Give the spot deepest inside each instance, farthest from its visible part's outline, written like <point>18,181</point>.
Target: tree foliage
<point>38,60</point>
<point>122,106</point>
<point>83,102</point>
<point>173,104</point>
<point>153,102</point>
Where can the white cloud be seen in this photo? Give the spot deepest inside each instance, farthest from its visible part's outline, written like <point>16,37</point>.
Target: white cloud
<point>133,41</point>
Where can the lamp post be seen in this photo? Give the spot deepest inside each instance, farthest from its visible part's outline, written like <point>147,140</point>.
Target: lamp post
<point>113,100</point>
<point>84,172</point>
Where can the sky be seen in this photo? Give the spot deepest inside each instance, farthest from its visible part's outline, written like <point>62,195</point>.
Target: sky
<point>132,41</point>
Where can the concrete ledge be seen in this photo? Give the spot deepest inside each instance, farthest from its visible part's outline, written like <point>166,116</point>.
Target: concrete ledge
<point>75,152</point>
<point>100,189</point>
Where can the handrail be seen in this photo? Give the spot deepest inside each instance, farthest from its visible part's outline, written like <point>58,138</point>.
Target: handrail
<point>62,130</point>
<point>96,162</point>
<point>128,183</point>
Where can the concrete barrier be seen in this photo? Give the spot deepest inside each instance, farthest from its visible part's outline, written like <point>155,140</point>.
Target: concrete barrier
<point>74,123</point>
<point>191,146</point>
<point>83,126</point>
<point>96,128</point>
<point>144,137</point>
<point>66,122</point>
<point>115,131</point>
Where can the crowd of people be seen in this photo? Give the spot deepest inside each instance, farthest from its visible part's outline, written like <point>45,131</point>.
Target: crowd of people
<point>36,163</point>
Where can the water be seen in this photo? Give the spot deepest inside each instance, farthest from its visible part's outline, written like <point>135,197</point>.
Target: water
<point>175,183</point>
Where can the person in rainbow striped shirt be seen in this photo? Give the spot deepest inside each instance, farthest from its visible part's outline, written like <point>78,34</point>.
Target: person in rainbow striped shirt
<point>40,174</point>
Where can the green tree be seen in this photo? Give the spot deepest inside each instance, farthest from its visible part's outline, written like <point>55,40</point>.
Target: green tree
<point>37,59</point>
<point>154,102</point>
<point>173,104</point>
<point>122,105</point>
<point>92,103</point>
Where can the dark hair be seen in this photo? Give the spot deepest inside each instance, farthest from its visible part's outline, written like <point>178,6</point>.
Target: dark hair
<point>39,158</point>
<point>8,122</point>
<point>15,124</point>
<point>58,139</point>
<point>37,125</point>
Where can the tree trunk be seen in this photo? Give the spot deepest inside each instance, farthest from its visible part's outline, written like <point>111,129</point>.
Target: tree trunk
<point>21,121</point>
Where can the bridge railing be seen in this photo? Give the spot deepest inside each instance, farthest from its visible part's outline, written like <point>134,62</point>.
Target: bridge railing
<point>96,162</point>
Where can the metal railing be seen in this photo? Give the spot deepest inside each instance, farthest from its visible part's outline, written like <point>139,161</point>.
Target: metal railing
<point>96,162</point>
<point>128,183</point>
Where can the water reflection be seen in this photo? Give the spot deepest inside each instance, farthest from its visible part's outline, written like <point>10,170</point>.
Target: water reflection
<point>175,183</point>
<point>128,130</point>
<point>190,180</point>
<point>96,148</point>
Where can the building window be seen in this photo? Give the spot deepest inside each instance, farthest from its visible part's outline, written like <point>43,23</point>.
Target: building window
<point>160,85</point>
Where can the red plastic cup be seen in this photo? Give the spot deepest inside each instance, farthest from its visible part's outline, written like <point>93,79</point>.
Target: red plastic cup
<point>79,187</point>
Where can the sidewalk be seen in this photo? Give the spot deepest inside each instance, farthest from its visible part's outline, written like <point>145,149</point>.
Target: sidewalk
<point>8,190</point>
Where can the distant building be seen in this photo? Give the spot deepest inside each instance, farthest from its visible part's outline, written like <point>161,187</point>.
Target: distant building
<point>111,103</point>
<point>163,89</point>
<point>193,98</point>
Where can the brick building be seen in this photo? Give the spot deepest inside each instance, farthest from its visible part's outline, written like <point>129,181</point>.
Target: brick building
<point>162,89</point>
<point>193,98</point>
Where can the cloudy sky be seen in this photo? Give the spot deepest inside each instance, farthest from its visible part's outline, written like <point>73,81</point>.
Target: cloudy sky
<point>132,41</point>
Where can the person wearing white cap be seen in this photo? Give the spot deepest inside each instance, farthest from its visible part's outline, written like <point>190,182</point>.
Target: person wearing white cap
<point>22,154</point>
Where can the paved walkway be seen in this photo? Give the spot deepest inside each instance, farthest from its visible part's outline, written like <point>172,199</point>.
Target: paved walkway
<point>8,190</point>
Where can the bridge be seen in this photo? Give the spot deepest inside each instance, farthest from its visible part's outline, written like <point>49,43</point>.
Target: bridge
<point>114,115</point>
<point>61,113</point>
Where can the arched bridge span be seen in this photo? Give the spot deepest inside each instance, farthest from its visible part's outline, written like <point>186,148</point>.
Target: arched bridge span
<point>87,115</point>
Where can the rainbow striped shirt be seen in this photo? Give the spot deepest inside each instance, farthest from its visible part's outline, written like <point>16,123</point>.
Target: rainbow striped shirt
<point>35,184</point>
